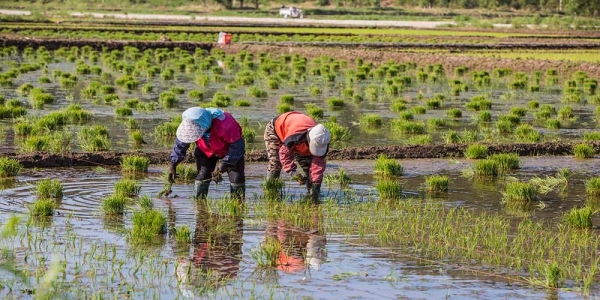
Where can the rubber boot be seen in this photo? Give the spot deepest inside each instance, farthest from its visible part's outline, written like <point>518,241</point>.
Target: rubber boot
<point>237,190</point>
<point>201,189</point>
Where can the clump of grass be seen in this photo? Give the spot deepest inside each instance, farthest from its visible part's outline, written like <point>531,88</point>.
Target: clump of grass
<point>592,187</point>
<point>387,167</point>
<point>167,99</point>
<point>314,111</point>
<point>147,224</point>
<point>249,135</point>
<point>486,168</point>
<point>94,138</point>
<point>407,127</point>
<point>42,208</point>
<point>267,253</point>
<point>552,273</point>
<point>591,136</point>
<point>476,151</point>
<point>455,113</point>
<point>418,110</point>
<point>553,123</point>
<point>340,178</point>
<point>579,217</point>
<point>335,102</point>
<point>49,189</point>
<point>527,133</point>
<point>146,203</point>
<point>437,183</point>
<point>519,192</point>
<point>123,111</point>
<point>127,188</point>
<point>241,103</point>
<point>113,205</point>
<point>9,167</point>
<point>339,133</point>
<point>135,164</point>
<point>137,138</point>
<point>371,120</point>
<point>584,151</point>
<point>284,107</point>
<point>257,92</point>
<point>183,234</point>
<point>273,189</point>
<point>186,172</point>
<point>287,99</point>
<point>506,161</point>
<point>389,189</point>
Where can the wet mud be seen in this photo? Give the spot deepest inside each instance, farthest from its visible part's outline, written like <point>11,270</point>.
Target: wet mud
<point>45,160</point>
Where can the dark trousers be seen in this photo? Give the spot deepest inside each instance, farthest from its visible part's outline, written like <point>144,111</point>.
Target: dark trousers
<point>206,165</point>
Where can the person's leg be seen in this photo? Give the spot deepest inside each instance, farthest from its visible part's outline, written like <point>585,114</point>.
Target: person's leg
<point>205,166</point>
<point>237,180</point>
<point>272,144</point>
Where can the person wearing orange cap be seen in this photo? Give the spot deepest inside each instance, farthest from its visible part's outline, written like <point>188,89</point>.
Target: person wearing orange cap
<point>296,136</point>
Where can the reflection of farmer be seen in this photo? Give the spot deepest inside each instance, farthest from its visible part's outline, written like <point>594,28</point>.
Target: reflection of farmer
<point>217,252</point>
<point>217,136</point>
<point>294,135</point>
<point>301,248</point>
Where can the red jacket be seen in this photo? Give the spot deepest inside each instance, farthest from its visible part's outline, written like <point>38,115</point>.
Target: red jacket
<point>222,133</point>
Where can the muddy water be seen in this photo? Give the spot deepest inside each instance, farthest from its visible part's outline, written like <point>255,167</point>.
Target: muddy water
<point>340,268</point>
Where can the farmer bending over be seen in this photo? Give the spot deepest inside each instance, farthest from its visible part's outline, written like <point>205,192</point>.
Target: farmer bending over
<point>217,136</point>
<point>294,135</point>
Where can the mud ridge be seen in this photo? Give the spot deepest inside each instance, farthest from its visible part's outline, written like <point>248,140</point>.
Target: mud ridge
<point>48,160</point>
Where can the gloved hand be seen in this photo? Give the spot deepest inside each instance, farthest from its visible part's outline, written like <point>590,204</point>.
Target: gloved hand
<point>216,176</point>
<point>299,177</point>
<point>172,172</point>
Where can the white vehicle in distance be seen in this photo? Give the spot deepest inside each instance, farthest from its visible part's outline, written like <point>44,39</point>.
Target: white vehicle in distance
<point>291,12</point>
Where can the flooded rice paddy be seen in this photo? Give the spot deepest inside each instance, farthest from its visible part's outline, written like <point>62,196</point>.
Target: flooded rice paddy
<point>321,257</point>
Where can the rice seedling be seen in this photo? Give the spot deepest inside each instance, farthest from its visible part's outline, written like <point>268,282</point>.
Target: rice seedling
<point>565,113</point>
<point>266,254</point>
<point>418,110</point>
<point>145,202</point>
<point>591,136</point>
<point>451,137</point>
<point>455,113</point>
<point>504,127</point>
<point>519,192</point>
<point>476,151</point>
<point>249,135</point>
<point>389,189</point>
<point>339,133</point>
<point>167,99</point>
<point>42,208</point>
<point>94,138</point>
<point>273,189</point>
<point>407,127</point>
<point>254,91</point>
<point>579,217</point>
<point>533,104</point>
<point>518,111</point>
<point>9,167</point>
<point>335,102</point>
<point>406,115</point>
<point>340,178</point>
<point>284,107</point>
<point>552,273</point>
<point>437,183</point>
<point>123,111</point>
<point>196,95</point>
<point>137,138</point>
<point>486,168</point>
<point>527,133</point>
<point>113,205</point>
<point>371,120</point>
<point>241,103</point>
<point>398,105</point>
<point>314,111</point>
<point>592,187</point>
<point>183,234</point>
<point>506,161</point>
<point>480,102</point>
<point>584,151</point>
<point>287,99</point>
<point>387,167</point>
<point>553,124</point>
<point>436,123</point>
<point>135,164</point>
<point>127,188</point>
<point>420,139</point>
<point>147,224</point>
<point>49,189</point>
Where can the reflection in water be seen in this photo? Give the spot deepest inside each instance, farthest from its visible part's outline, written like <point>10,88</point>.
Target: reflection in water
<point>216,252</point>
<point>7,183</point>
<point>114,223</point>
<point>302,247</point>
<point>41,222</point>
